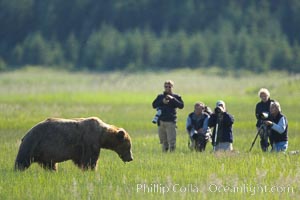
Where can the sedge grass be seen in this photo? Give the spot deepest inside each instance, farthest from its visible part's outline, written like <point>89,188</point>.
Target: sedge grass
<point>31,95</point>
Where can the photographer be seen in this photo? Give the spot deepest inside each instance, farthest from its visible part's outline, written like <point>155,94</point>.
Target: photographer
<point>222,121</point>
<point>167,103</point>
<point>279,128</point>
<point>262,113</point>
<point>197,127</point>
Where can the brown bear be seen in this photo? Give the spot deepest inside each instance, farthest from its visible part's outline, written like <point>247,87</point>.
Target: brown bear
<point>80,140</point>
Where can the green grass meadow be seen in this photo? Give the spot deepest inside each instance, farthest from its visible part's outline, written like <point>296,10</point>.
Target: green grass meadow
<point>30,95</point>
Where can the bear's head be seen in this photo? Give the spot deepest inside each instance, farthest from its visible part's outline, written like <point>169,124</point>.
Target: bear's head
<point>114,138</point>
<point>123,147</point>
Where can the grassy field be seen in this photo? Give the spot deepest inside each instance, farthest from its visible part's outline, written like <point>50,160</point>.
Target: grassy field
<point>30,95</point>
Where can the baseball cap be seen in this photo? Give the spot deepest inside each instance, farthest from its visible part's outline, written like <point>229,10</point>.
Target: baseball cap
<point>221,104</point>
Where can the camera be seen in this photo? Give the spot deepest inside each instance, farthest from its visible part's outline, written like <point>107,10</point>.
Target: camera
<point>218,110</point>
<point>194,134</point>
<point>263,115</point>
<point>166,96</point>
<point>156,117</point>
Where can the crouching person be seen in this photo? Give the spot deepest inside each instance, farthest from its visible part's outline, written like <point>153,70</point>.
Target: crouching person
<point>222,137</point>
<point>279,128</point>
<point>197,127</point>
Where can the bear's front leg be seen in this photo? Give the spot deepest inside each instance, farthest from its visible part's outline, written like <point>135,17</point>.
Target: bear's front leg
<point>22,165</point>
<point>90,159</point>
<point>49,165</point>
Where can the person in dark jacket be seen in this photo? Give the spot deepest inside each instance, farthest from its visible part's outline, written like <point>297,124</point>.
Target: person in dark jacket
<point>222,121</point>
<point>197,127</point>
<point>279,128</point>
<point>167,103</point>
<point>262,113</point>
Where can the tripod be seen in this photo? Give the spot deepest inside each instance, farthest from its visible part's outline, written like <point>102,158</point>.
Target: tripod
<point>215,138</point>
<point>261,131</point>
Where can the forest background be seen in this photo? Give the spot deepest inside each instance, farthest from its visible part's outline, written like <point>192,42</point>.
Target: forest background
<point>107,35</point>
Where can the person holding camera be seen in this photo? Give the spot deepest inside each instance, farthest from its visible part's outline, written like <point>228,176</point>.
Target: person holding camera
<point>262,110</point>
<point>278,125</point>
<point>222,121</point>
<point>167,103</point>
<point>197,127</point>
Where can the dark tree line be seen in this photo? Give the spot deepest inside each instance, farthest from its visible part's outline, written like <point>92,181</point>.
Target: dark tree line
<point>257,35</point>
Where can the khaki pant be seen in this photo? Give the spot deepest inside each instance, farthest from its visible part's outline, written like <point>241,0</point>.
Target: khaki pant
<point>167,135</point>
<point>224,146</point>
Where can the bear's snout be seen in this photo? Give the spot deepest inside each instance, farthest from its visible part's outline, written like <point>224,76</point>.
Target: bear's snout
<point>127,157</point>
<point>128,160</point>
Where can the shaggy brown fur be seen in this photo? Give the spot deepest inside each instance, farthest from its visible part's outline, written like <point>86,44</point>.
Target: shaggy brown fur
<point>80,140</point>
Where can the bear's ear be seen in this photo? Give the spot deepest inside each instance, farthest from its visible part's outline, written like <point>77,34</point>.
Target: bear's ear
<point>121,135</point>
